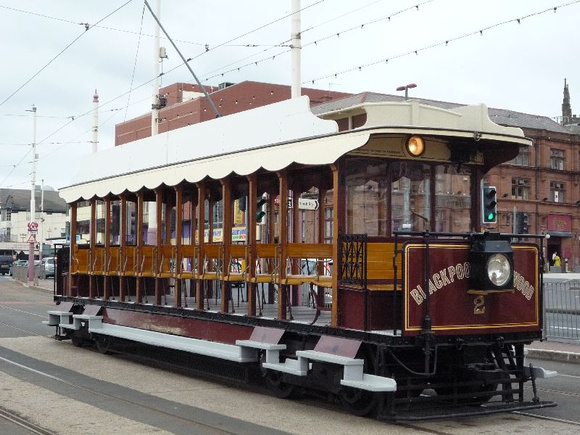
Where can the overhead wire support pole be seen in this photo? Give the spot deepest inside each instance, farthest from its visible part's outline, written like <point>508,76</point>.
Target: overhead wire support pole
<point>32,226</point>
<point>212,105</point>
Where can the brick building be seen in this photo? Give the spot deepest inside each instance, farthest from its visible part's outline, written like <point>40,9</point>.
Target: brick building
<point>185,105</point>
<point>537,191</point>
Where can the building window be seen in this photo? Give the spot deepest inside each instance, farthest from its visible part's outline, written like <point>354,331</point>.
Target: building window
<point>557,159</point>
<point>523,158</point>
<point>520,188</point>
<point>328,225</point>
<point>557,191</point>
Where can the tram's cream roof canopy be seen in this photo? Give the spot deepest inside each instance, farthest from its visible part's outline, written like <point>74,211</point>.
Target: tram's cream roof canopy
<point>208,148</point>
<point>270,137</point>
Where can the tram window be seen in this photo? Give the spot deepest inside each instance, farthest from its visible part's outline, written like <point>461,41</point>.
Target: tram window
<point>115,222</point>
<point>83,222</point>
<point>453,193</point>
<point>328,224</point>
<point>131,230</point>
<point>149,223</point>
<point>411,196</point>
<point>366,198</point>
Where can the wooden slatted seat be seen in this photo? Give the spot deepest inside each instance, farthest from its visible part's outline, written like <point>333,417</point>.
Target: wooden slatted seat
<point>380,272</point>
<point>128,261</point>
<point>320,253</point>
<point>212,262</point>
<point>188,255</point>
<point>147,260</point>
<point>267,264</point>
<point>98,261</point>
<point>166,265</point>
<point>81,261</point>
<point>237,268</point>
<point>113,264</point>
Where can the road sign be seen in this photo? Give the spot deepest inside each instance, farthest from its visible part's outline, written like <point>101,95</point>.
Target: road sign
<point>31,238</point>
<point>32,227</point>
<point>308,204</point>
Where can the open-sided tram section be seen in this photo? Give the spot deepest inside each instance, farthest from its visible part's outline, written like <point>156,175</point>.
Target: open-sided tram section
<point>344,253</point>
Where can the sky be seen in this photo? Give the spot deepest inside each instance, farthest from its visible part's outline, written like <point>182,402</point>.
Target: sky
<point>56,53</point>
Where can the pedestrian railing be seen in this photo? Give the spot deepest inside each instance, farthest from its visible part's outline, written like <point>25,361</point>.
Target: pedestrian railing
<point>562,309</point>
<point>20,273</point>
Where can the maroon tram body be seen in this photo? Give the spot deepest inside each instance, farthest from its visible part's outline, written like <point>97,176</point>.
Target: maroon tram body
<point>356,263</point>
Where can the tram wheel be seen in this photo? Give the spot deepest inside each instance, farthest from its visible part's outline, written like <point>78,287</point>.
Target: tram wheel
<point>276,385</point>
<point>357,402</point>
<point>477,391</point>
<point>103,344</point>
<point>77,341</point>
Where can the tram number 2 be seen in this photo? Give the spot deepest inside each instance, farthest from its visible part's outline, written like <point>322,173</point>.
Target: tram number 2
<point>479,305</point>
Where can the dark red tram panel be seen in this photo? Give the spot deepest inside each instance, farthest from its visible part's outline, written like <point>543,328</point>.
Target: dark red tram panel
<point>457,309</point>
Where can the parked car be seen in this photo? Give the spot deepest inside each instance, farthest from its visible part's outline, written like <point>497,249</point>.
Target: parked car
<point>5,263</point>
<point>48,266</point>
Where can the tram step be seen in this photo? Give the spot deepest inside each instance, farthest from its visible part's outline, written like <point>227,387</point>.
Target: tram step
<point>297,367</point>
<point>372,383</point>
<point>58,318</point>
<point>353,375</point>
<point>540,372</point>
<point>224,351</point>
<point>272,349</point>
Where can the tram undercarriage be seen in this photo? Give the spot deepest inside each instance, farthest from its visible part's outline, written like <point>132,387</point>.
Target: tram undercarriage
<point>461,376</point>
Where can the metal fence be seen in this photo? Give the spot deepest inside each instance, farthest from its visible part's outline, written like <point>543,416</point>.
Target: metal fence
<point>20,273</point>
<point>562,309</point>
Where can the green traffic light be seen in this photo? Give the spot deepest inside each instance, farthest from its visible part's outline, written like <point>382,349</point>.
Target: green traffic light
<point>490,216</point>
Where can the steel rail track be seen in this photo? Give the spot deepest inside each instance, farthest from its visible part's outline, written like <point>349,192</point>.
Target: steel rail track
<point>25,424</point>
<point>194,422</point>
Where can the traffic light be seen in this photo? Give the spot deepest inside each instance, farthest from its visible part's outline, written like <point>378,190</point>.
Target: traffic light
<point>524,226</point>
<point>259,212</point>
<point>489,204</point>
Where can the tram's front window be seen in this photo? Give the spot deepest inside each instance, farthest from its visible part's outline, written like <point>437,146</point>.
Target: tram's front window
<point>453,191</point>
<point>411,196</point>
<point>366,197</point>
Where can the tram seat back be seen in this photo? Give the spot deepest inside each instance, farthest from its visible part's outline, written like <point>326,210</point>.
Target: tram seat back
<point>112,267</point>
<point>97,260</point>
<point>188,255</point>
<point>166,261</point>
<point>212,261</point>
<point>380,271</point>
<point>80,261</point>
<point>237,263</point>
<point>267,264</point>
<point>320,254</point>
<point>147,261</point>
<point>128,261</point>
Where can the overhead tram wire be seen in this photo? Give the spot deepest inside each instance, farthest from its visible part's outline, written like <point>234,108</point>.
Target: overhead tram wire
<point>361,26</point>
<point>333,35</point>
<point>285,42</point>
<point>15,166</point>
<point>442,43</point>
<point>269,47</point>
<point>87,28</point>
<point>258,28</point>
<point>171,70</point>
<point>165,73</point>
<point>135,62</point>
<point>114,29</point>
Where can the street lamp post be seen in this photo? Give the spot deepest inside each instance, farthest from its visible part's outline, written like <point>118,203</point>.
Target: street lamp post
<point>406,89</point>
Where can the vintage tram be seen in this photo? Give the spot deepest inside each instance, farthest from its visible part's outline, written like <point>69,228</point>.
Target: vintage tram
<point>343,253</point>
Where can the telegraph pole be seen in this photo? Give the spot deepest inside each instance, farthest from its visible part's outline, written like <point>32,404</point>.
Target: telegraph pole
<point>296,44</point>
<point>32,225</point>
<point>95,140</point>
<point>156,104</point>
